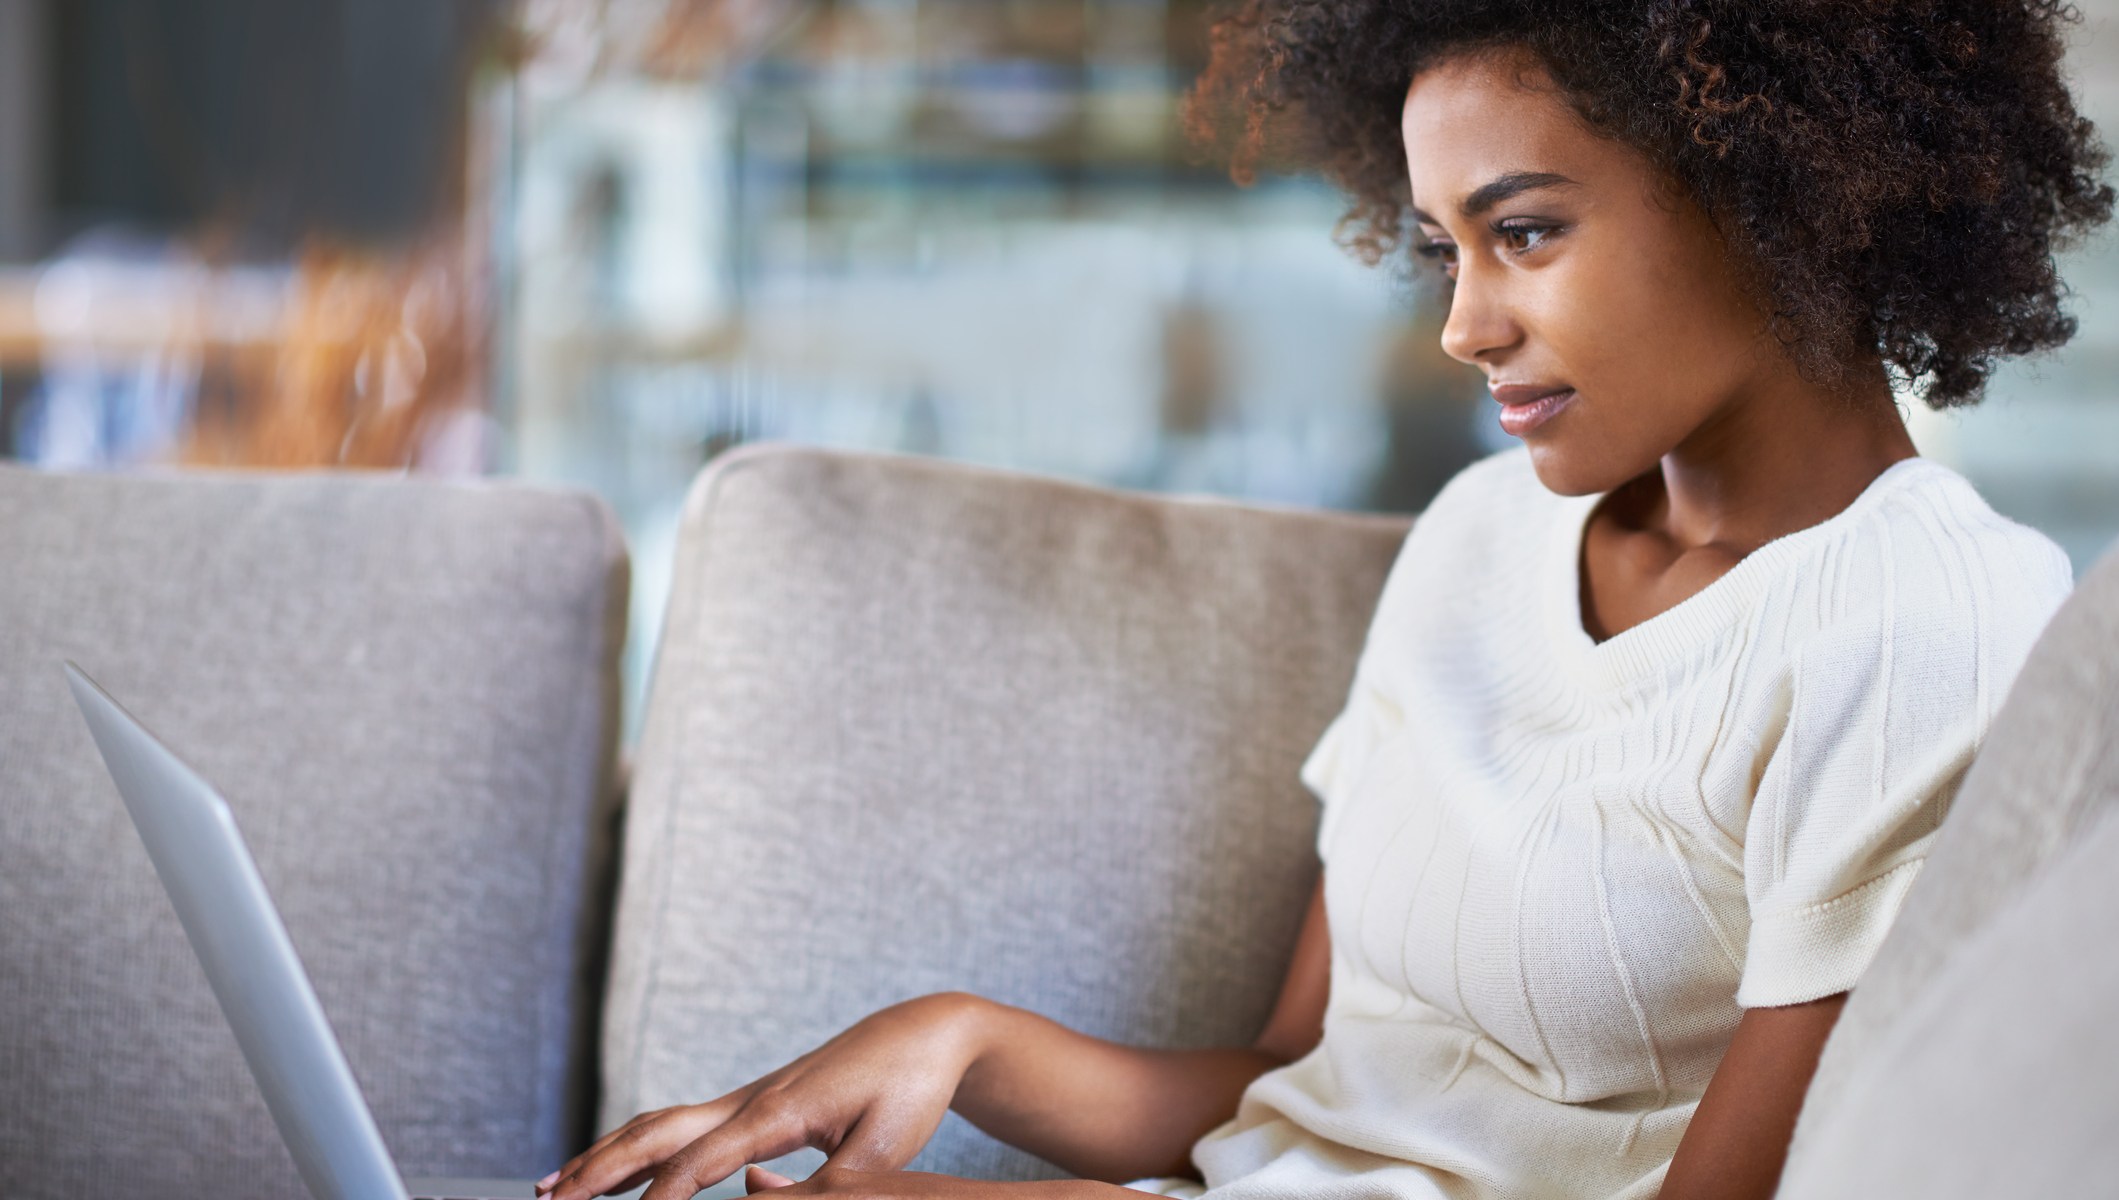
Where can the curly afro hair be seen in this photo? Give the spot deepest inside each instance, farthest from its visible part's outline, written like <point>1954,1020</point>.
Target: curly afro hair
<point>1892,175</point>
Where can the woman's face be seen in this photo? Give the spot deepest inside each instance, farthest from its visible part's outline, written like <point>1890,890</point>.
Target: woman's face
<point>1579,276</point>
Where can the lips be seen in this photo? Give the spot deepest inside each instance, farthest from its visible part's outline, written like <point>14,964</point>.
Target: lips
<point>1525,406</point>
<point>1511,394</point>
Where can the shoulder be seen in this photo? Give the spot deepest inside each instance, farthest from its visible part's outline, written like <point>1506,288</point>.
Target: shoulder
<point>1472,543</point>
<point>1496,492</point>
<point>1505,474</point>
<point>1923,568</point>
<point>1482,513</point>
<point>1936,547</point>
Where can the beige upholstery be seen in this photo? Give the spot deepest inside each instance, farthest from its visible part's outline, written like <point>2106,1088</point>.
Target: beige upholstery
<point>1997,1081</point>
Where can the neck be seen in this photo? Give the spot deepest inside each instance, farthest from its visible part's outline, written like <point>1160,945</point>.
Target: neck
<point>1780,458</point>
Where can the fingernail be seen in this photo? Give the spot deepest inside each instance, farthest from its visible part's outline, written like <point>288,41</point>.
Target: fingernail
<point>548,1181</point>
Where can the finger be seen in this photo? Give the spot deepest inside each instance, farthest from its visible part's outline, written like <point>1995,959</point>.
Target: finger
<point>548,1187</point>
<point>758,1179</point>
<point>635,1151</point>
<point>636,1179</point>
<point>759,1131</point>
<point>573,1164</point>
<point>720,1108</point>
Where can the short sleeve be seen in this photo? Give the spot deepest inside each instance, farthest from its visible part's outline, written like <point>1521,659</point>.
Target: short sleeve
<point>1343,751</point>
<point>1322,771</point>
<point>1335,763</point>
<point>1885,711</point>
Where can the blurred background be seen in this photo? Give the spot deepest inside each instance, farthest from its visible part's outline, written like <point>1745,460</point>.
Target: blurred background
<point>601,241</point>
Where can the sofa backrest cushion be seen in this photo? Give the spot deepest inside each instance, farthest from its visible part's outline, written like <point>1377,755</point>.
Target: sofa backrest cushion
<point>918,726</point>
<point>407,693</point>
<point>1944,1004</point>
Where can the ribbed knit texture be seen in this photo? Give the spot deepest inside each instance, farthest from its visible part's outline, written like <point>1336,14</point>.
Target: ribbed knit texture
<point>1558,870</point>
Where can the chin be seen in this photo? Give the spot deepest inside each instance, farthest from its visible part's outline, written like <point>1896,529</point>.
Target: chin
<point>1571,471</point>
<point>1567,474</point>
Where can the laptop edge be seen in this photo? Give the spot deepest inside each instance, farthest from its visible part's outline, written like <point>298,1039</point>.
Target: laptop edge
<point>214,885</point>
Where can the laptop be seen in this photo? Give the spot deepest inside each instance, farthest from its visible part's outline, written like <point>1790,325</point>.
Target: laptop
<point>241,942</point>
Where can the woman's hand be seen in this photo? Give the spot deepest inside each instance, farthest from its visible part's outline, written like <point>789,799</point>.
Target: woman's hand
<point>907,1185</point>
<point>869,1098</point>
<point>872,1097</point>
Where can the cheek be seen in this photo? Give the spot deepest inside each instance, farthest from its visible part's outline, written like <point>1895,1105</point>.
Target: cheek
<point>1688,293</point>
<point>1607,329</point>
<point>1646,331</point>
<point>1652,352</point>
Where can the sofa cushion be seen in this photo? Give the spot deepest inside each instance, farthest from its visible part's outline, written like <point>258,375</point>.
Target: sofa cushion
<point>407,693</point>
<point>917,726</point>
<point>1997,1080</point>
<point>2049,770</point>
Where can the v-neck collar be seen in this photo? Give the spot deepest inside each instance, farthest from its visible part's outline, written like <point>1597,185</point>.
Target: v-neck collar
<point>1668,636</point>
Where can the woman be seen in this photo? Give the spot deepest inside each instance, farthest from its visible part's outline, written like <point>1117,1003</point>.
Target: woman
<point>1657,714</point>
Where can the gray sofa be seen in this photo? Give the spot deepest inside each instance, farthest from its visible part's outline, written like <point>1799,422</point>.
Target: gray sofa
<point>913,726</point>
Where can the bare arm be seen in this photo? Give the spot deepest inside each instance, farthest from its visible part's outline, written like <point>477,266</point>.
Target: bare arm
<point>1738,1139</point>
<point>1105,1111</point>
<point>871,1098</point>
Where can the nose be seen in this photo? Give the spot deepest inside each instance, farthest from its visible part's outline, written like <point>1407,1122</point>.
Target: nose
<point>1480,323</point>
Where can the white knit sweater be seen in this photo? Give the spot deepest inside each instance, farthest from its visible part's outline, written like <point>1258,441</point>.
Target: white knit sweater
<point>1558,870</point>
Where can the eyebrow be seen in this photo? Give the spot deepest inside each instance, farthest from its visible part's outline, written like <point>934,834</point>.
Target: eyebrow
<point>1508,186</point>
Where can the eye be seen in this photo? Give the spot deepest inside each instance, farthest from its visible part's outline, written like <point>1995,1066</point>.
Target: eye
<point>1523,237</point>
<point>1443,253</point>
